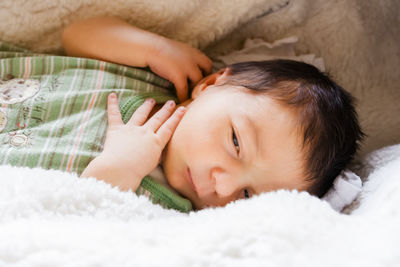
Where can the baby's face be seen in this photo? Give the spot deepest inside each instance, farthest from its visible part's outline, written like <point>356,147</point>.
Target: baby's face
<point>232,144</point>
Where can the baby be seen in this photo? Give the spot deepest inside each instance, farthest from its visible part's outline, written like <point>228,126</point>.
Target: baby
<point>249,128</point>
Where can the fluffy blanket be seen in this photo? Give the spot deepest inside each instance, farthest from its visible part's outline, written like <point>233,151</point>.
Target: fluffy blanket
<point>49,218</point>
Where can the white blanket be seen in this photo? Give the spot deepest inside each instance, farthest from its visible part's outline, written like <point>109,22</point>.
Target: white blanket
<point>49,218</point>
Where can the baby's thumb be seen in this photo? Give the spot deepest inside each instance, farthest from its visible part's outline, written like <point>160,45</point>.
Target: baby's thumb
<point>181,87</point>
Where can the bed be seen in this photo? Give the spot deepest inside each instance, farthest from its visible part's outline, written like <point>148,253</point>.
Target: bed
<point>50,218</point>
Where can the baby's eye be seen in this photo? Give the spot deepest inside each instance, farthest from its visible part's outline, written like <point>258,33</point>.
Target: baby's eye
<point>235,141</point>
<point>246,193</point>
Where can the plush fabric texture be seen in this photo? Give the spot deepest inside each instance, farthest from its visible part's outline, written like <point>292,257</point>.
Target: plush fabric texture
<point>50,218</point>
<point>37,24</point>
<point>357,39</point>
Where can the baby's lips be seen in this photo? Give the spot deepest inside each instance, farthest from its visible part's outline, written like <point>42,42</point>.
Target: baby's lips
<point>189,178</point>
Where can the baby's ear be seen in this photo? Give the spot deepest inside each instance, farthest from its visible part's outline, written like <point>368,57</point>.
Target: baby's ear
<point>217,78</point>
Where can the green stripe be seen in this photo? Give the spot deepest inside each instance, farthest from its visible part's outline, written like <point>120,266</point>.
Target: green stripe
<point>66,87</point>
<point>161,194</point>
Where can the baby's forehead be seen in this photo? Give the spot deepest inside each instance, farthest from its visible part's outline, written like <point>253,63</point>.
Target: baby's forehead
<point>253,104</point>
<point>247,95</point>
<point>254,100</point>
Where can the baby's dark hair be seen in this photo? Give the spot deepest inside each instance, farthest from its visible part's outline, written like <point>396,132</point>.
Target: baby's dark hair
<point>326,114</point>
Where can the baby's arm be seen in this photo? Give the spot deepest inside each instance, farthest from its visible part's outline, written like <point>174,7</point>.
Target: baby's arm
<point>114,40</point>
<point>133,150</point>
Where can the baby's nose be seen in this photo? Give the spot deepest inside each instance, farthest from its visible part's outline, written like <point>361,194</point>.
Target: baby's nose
<point>225,183</point>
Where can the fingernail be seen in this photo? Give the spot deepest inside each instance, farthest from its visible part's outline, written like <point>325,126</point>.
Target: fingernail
<point>181,109</point>
<point>171,103</point>
<point>113,95</point>
<point>150,100</point>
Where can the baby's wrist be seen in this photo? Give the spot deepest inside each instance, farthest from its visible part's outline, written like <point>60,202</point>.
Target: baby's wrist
<point>154,49</point>
<point>106,168</point>
<point>118,165</point>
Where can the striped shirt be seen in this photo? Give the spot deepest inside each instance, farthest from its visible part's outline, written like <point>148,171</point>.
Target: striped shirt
<point>53,108</point>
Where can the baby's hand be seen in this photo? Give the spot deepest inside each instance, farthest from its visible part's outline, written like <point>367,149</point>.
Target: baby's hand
<point>133,150</point>
<point>178,62</point>
<point>112,39</point>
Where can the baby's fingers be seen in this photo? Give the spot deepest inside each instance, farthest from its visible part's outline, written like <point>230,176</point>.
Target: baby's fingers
<point>142,112</point>
<point>113,113</point>
<point>195,75</point>
<point>181,86</point>
<point>161,116</point>
<point>167,129</point>
<point>206,64</point>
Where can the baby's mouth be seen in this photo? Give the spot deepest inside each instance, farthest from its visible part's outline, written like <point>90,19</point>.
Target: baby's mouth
<point>190,180</point>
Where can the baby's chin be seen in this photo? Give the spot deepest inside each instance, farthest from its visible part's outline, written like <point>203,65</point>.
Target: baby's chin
<point>172,172</point>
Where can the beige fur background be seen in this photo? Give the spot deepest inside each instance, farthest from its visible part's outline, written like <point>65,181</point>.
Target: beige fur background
<point>358,40</point>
